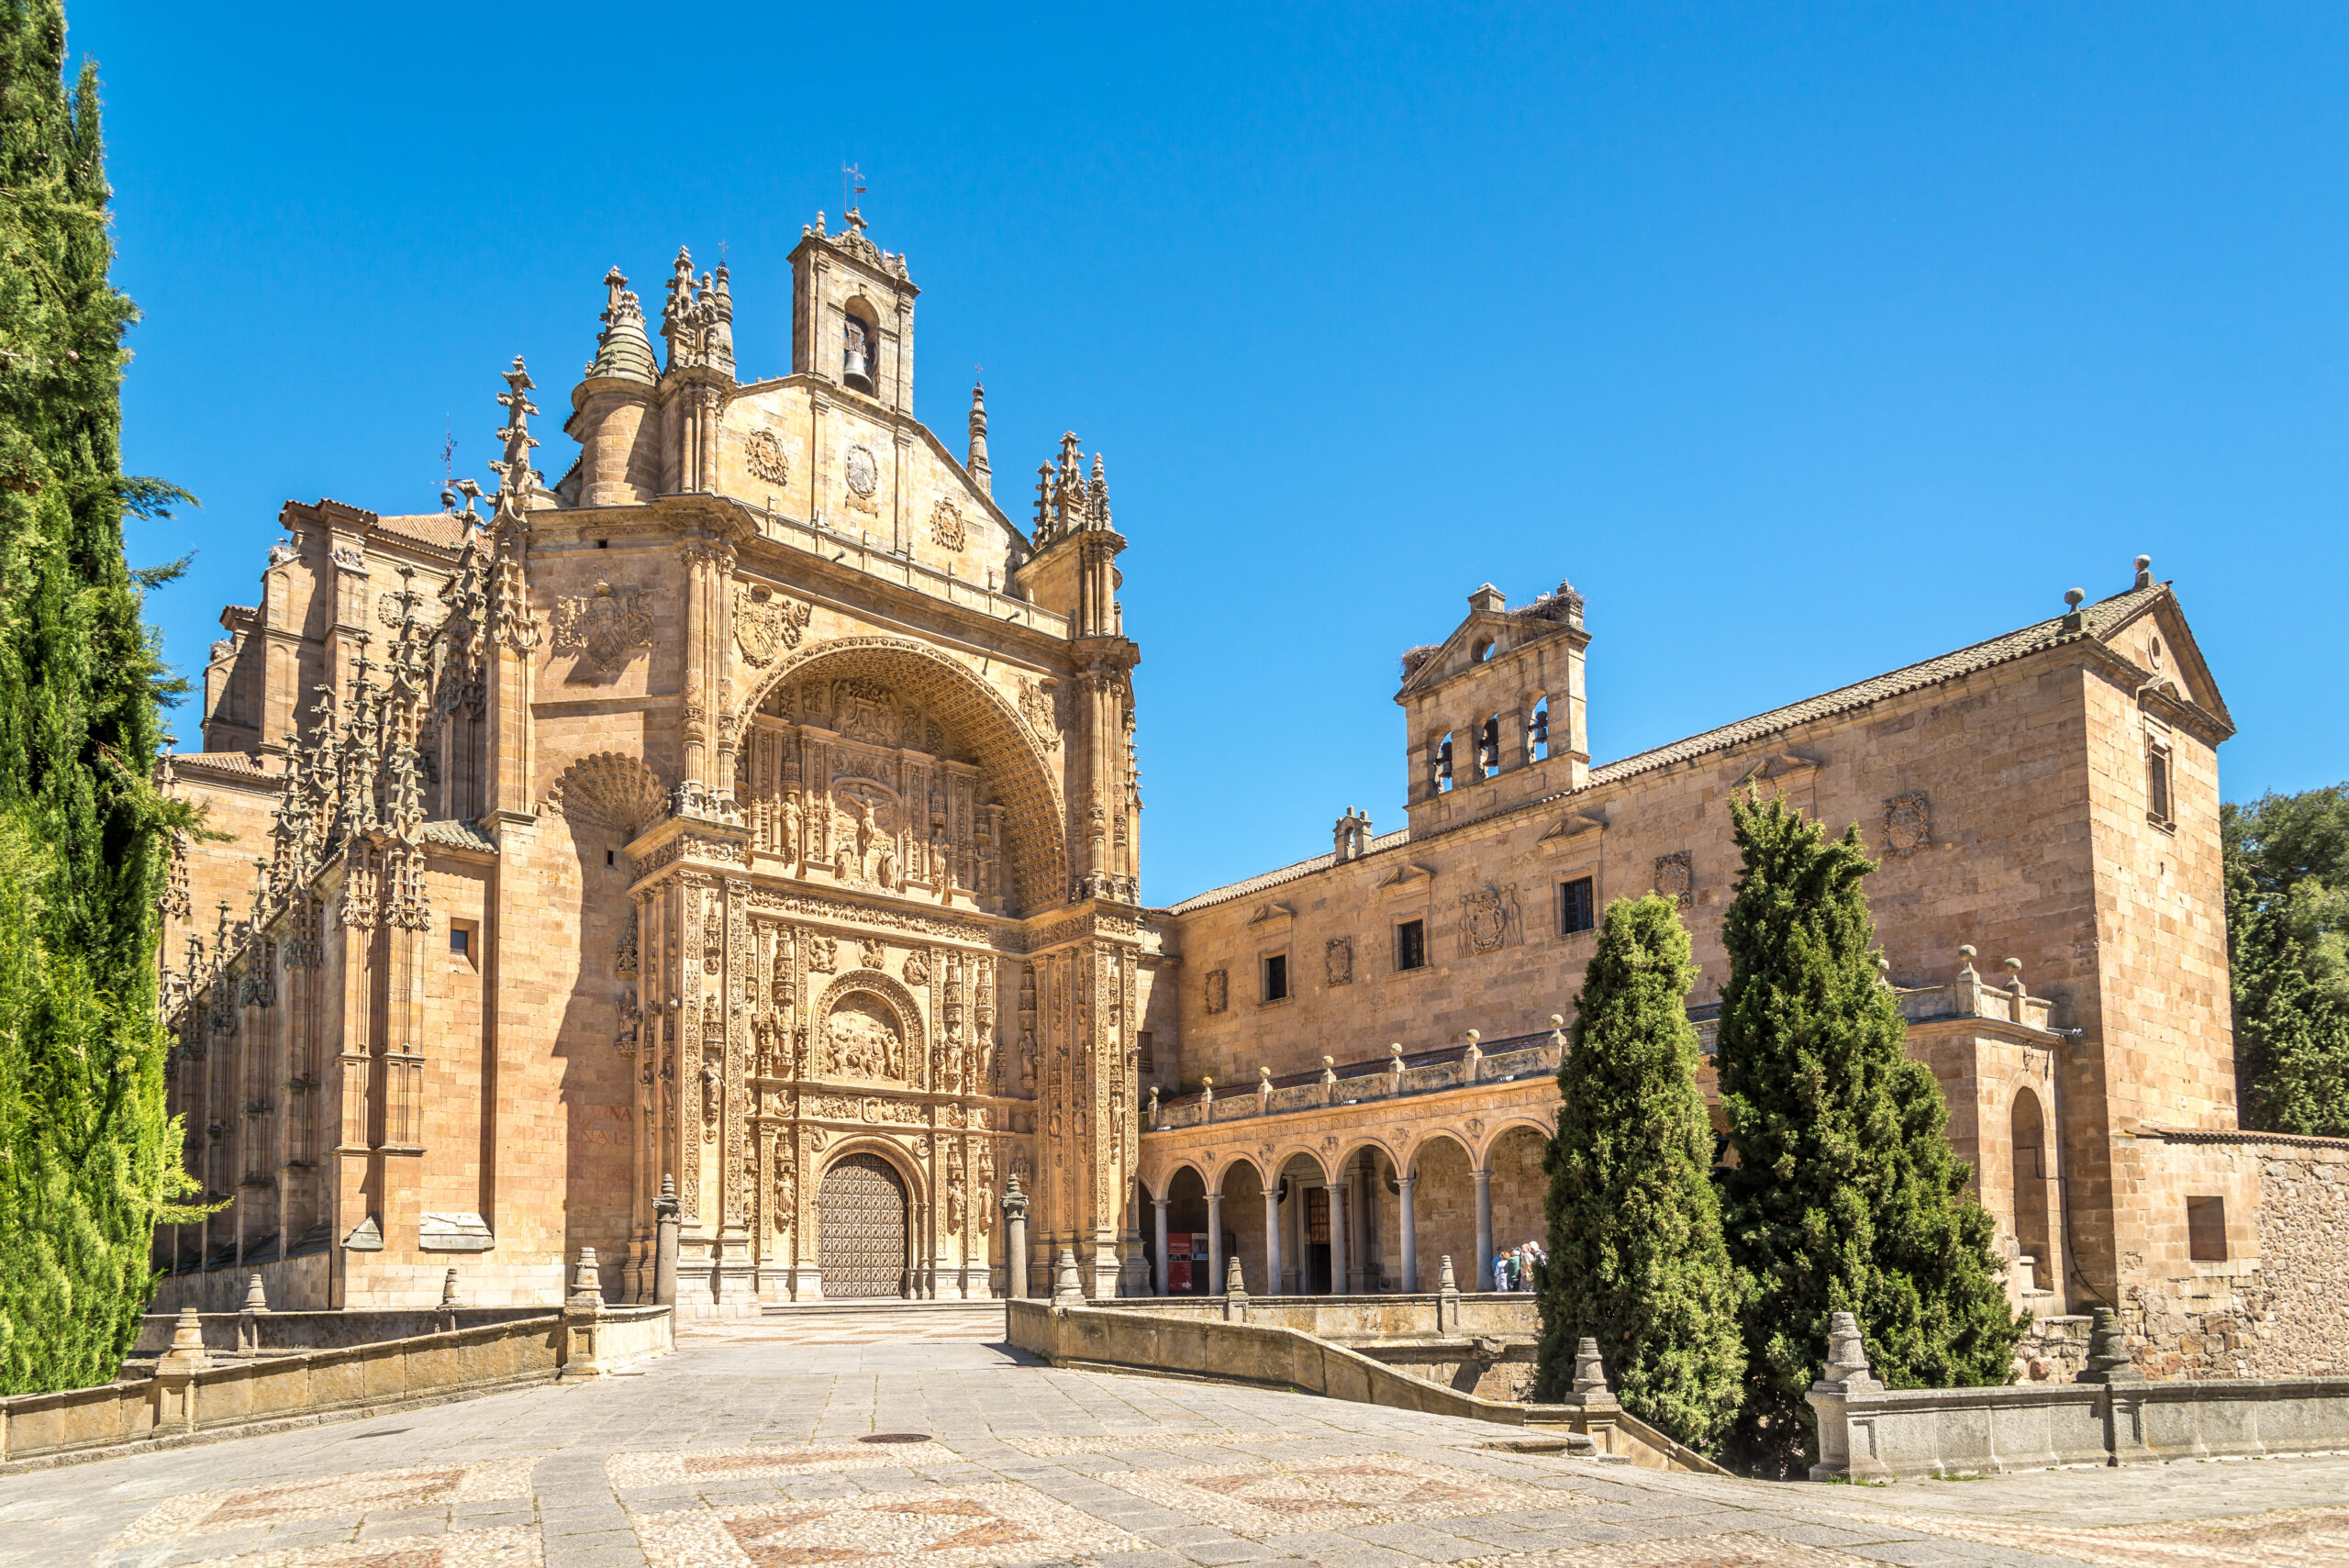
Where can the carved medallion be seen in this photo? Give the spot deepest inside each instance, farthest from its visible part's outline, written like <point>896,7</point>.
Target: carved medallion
<point>1907,823</point>
<point>917,968</point>
<point>1338,960</point>
<point>1218,995</point>
<point>1675,877</point>
<point>604,625</point>
<point>766,624</point>
<point>861,471</point>
<point>946,530</point>
<point>764,454</point>
<point>428,611</point>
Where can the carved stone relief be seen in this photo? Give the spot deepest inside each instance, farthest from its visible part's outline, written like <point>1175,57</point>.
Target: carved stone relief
<point>766,624</point>
<point>862,471</point>
<point>823,954</point>
<point>1907,823</point>
<point>1338,960</point>
<point>605,626</point>
<point>1218,991</point>
<point>1675,877</point>
<point>1487,918</point>
<point>763,455</point>
<point>946,530</point>
<point>917,968</point>
<point>1036,706</point>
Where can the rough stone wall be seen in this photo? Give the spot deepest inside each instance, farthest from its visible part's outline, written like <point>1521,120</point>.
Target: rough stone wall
<point>2277,1306</point>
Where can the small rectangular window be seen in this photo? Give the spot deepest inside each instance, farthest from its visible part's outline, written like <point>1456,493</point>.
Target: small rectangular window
<point>1276,977</point>
<point>1145,1057</point>
<point>609,859</point>
<point>2206,1229</point>
<point>2157,791</point>
<point>1411,945</point>
<point>1575,906</point>
<point>461,942</point>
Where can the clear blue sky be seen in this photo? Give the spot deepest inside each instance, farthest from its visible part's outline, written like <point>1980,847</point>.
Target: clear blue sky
<point>1806,341</point>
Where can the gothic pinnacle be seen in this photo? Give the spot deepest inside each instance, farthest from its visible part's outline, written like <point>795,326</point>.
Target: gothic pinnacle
<point>982,472</point>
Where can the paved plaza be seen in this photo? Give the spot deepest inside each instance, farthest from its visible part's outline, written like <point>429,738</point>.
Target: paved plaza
<point>776,1445</point>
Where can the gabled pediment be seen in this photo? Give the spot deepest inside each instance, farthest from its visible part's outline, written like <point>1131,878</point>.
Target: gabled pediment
<point>1408,878</point>
<point>2157,641</point>
<point>1782,768</point>
<point>1272,914</point>
<point>1573,826</point>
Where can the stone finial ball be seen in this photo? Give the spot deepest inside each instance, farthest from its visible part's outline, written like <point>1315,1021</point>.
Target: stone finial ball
<point>2073,596</point>
<point>2013,965</point>
<point>2144,561</point>
<point>1557,1020</point>
<point>1967,953</point>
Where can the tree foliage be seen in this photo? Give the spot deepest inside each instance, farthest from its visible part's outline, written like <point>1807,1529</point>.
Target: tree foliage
<point>1845,1195</point>
<point>2287,945</point>
<point>1636,1257</point>
<point>88,1160</point>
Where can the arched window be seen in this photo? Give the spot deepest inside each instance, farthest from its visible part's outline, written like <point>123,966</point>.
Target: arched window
<point>1488,746</point>
<point>1537,736</point>
<point>860,352</point>
<point>1440,766</point>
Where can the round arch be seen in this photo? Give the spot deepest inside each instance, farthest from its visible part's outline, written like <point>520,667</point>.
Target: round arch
<point>1409,1163</point>
<point>1223,1172</point>
<point>1024,783</point>
<point>1483,1154</point>
<point>909,1170</point>
<point>1161,1188</point>
<point>1280,1162</point>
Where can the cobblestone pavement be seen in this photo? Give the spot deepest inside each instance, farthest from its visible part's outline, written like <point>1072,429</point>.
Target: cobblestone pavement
<point>775,1455</point>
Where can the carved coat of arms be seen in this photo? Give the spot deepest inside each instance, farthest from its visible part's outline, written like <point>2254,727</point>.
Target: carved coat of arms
<point>1485,916</point>
<point>765,624</point>
<point>764,454</point>
<point>1037,708</point>
<point>1907,823</point>
<point>605,625</point>
<point>946,530</point>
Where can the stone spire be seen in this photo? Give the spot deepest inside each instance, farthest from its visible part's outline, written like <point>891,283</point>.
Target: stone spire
<point>981,473</point>
<point>624,351</point>
<point>699,319</point>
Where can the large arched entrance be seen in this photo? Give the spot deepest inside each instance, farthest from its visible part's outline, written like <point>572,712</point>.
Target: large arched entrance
<point>861,1228</point>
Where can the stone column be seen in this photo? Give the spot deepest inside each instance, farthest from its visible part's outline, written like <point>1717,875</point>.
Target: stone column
<point>1015,1241</point>
<point>1215,1243</point>
<point>1337,1237</point>
<point>664,1247</point>
<point>1358,1226</point>
<point>1405,1221</point>
<point>1483,1180</point>
<point>1160,1281</point>
<point>1272,1237</point>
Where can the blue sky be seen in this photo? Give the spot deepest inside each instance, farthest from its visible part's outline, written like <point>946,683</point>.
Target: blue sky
<point>1806,341</point>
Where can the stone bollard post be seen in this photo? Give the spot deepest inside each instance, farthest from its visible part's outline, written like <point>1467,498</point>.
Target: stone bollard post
<point>1447,1298</point>
<point>249,1316</point>
<point>1067,1290</point>
<point>256,1298</point>
<point>449,1302</point>
<point>175,1370</point>
<point>1235,1292</point>
<point>664,1250</point>
<point>1015,1238</point>
<point>1846,1435</point>
<point>1592,1402</point>
<point>583,1323</point>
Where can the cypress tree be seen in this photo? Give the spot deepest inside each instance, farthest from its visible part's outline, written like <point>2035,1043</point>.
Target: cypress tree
<point>1846,1195</point>
<point>1636,1256</point>
<point>89,1163</point>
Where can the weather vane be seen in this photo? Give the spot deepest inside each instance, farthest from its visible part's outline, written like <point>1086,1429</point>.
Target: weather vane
<point>850,175</point>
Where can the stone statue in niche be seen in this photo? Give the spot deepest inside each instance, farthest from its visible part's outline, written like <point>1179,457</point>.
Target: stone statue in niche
<point>713,1091</point>
<point>884,865</point>
<point>792,817</point>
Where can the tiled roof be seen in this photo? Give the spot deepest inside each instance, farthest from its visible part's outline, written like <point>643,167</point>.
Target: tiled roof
<point>2096,621</point>
<point>440,529</point>
<point>242,764</point>
<point>456,835</point>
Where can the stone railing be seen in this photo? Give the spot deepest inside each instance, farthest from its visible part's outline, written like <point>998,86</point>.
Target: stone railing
<point>2112,1416</point>
<point>1428,1314</point>
<point>190,1397</point>
<point>1071,1332</point>
<point>1395,1076</point>
<point>1969,996</point>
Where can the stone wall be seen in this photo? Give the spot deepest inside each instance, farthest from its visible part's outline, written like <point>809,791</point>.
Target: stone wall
<point>2277,1305</point>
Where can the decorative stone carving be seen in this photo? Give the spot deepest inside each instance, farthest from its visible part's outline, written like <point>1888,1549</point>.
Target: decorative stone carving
<point>1489,918</point>
<point>766,624</point>
<point>946,530</point>
<point>823,954</point>
<point>348,558</point>
<point>1218,991</point>
<point>609,787</point>
<point>862,1038</point>
<point>1675,877</point>
<point>872,954</point>
<point>763,454</point>
<point>1037,708</point>
<point>1338,960</point>
<point>392,612</point>
<point>1907,823</point>
<point>604,625</point>
<point>862,471</point>
<point>917,968</point>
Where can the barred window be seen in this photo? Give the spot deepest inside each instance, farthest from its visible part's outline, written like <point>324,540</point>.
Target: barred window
<point>1411,945</point>
<point>1576,910</point>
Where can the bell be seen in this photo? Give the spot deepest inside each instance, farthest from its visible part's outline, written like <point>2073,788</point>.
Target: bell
<point>857,366</point>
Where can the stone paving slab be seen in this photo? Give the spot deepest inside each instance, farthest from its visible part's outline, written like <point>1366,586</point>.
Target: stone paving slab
<point>751,1455</point>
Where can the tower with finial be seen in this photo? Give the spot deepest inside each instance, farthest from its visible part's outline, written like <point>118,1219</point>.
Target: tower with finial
<point>610,406</point>
<point>852,315</point>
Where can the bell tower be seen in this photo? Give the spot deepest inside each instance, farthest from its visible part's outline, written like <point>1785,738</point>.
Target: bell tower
<point>853,314</point>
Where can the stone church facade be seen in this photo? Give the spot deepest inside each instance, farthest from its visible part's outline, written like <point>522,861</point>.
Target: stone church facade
<point>754,811</point>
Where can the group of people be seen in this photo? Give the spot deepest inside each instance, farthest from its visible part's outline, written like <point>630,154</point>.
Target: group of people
<point>1520,1268</point>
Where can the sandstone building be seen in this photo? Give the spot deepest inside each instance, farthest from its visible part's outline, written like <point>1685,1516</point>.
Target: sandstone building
<point>755,810</point>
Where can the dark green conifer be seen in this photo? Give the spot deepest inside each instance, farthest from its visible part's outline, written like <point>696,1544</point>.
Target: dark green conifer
<point>1845,1195</point>
<point>2287,943</point>
<point>1636,1257</point>
<point>89,1163</point>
